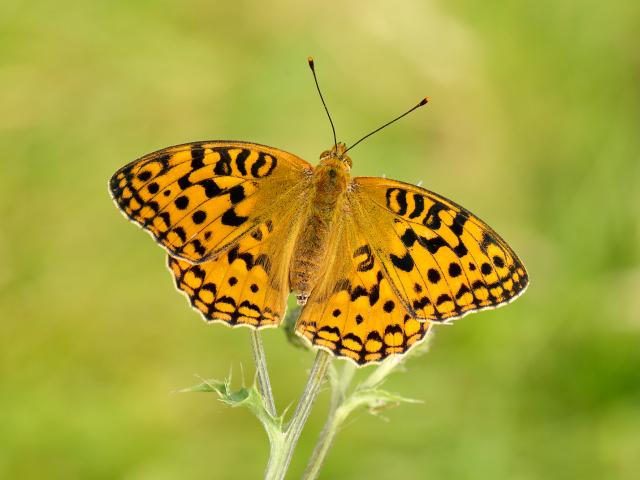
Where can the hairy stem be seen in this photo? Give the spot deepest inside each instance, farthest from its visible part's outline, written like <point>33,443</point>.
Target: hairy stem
<point>264,384</point>
<point>340,384</point>
<point>282,452</point>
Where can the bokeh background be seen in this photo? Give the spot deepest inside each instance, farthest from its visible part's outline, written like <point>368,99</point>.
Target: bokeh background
<point>534,125</point>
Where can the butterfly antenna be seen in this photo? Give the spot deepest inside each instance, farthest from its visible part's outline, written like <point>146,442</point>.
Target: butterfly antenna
<point>315,78</point>
<point>424,101</point>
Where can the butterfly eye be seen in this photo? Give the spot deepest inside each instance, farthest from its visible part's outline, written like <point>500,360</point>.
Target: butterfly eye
<point>347,160</point>
<point>324,154</point>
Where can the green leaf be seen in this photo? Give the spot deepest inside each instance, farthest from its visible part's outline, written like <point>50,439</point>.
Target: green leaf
<point>375,400</point>
<point>248,397</point>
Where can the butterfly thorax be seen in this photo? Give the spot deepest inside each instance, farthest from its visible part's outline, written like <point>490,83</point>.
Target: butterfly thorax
<point>330,180</point>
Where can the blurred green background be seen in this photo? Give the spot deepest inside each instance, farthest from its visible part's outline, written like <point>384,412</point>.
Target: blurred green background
<point>534,125</point>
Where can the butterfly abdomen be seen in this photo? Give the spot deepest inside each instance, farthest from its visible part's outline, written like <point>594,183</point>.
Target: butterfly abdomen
<point>330,185</point>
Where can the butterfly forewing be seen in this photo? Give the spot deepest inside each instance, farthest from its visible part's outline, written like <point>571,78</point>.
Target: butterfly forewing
<point>198,199</point>
<point>442,260</point>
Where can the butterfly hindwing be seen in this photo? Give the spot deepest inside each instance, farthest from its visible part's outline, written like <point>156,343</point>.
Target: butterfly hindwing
<point>441,260</point>
<point>354,312</point>
<point>245,285</point>
<point>198,199</point>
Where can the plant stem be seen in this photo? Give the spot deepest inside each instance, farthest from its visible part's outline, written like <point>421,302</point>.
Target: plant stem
<point>282,452</point>
<point>329,431</point>
<point>264,384</point>
<point>334,420</point>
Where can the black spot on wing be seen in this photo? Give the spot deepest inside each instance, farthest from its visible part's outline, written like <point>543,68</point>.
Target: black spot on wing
<point>223,166</point>
<point>458,223</point>
<point>228,300</point>
<point>374,295</point>
<point>404,263</point>
<point>432,244</point>
<point>240,161</point>
<point>432,218</point>
<point>231,218</point>
<point>418,200</point>
<point>420,304</point>
<point>358,291</point>
<point>166,218</point>
<point>198,272</point>
<point>354,338</point>
<point>181,233</point>
<point>443,298</point>
<point>433,275</point>
<point>236,194</point>
<point>211,188</point>
<point>460,250</point>
<point>197,157</point>
<point>263,159</point>
<point>393,329</point>
<point>247,258</point>
<point>463,289</point>
<point>184,182</point>
<point>409,237</point>
<point>198,217</point>
<point>263,261</point>
<point>366,264</point>
<point>257,234</point>
<point>454,269</point>
<point>486,241</point>
<point>375,336</point>
<point>197,246</point>
<point>330,330</point>
<point>211,287</point>
<point>181,202</point>
<point>397,200</point>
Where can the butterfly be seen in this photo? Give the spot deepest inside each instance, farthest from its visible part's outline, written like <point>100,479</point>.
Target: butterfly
<point>374,262</point>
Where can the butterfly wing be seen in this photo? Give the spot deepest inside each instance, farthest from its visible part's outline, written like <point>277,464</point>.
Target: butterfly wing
<point>227,213</point>
<point>404,257</point>
<point>198,199</point>
<point>441,260</point>
<point>354,311</point>
<point>246,285</point>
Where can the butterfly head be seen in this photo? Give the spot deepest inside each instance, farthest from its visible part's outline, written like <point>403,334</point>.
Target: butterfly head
<point>336,154</point>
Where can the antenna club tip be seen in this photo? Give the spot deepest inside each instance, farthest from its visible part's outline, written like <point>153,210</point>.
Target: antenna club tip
<point>310,61</point>
<point>424,101</point>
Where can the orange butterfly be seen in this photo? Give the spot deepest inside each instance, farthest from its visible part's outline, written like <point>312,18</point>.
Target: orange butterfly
<point>375,262</point>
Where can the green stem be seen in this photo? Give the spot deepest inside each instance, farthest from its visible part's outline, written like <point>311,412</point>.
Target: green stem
<point>264,384</point>
<point>282,449</point>
<point>335,418</point>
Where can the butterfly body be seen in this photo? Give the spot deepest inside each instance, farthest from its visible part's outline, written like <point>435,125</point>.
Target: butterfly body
<point>375,261</point>
<point>326,207</point>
